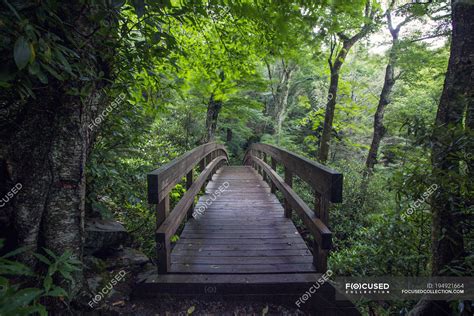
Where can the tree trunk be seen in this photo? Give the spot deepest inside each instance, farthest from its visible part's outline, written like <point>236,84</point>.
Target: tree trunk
<point>213,109</point>
<point>447,150</point>
<point>44,144</point>
<point>384,100</point>
<point>335,68</point>
<point>331,103</point>
<point>281,102</point>
<point>229,135</point>
<point>280,96</point>
<point>457,96</point>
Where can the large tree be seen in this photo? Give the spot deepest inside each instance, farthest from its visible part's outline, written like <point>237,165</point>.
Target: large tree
<point>388,84</point>
<point>51,94</point>
<point>59,60</point>
<point>450,146</point>
<point>340,45</point>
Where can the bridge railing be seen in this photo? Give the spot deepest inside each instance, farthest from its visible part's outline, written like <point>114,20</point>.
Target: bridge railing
<point>161,181</point>
<point>325,182</point>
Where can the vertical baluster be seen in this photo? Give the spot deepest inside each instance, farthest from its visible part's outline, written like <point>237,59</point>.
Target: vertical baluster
<point>189,183</point>
<point>289,181</point>
<point>264,175</point>
<point>274,167</point>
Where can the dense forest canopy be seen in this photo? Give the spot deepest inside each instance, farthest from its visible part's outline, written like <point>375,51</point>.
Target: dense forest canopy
<point>97,93</point>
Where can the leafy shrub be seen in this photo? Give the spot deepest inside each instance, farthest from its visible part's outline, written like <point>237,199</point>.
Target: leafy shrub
<point>15,299</point>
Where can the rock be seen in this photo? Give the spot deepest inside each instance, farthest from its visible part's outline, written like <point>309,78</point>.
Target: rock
<point>127,258</point>
<point>104,236</point>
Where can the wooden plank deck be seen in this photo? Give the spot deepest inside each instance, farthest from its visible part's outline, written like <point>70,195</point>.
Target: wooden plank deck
<point>242,231</point>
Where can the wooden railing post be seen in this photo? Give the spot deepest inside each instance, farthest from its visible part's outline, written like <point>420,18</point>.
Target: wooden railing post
<point>289,181</point>
<point>274,167</point>
<point>202,164</point>
<point>208,161</point>
<point>321,208</point>
<point>163,246</point>
<point>189,183</point>
<point>320,258</point>
<point>162,210</point>
<point>264,175</point>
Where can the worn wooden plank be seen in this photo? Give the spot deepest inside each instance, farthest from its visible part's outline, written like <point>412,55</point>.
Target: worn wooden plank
<point>240,247</point>
<point>253,228</point>
<point>247,260</point>
<point>238,235</point>
<point>242,253</point>
<point>247,241</point>
<point>241,268</point>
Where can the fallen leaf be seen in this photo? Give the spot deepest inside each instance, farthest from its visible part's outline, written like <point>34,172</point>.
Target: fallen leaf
<point>191,310</point>
<point>118,303</point>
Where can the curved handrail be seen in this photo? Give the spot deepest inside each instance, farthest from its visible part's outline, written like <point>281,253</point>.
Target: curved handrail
<point>326,183</point>
<point>171,224</point>
<point>162,180</point>
<point>324,180</point>
<point>317,228</point>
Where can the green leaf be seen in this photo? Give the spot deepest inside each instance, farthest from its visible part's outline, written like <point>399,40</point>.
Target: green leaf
<point>118,3</point>
<point>48,281</point>
<point>53,72</point>
<point>64,62</point>
<point>42,258</point>
<point>139,7</point>
<point>50,253</point>
<point>24,297</point>
<point>15,252</point>
<point>57,292</point>
<point>66,275</point>
<point>42,77</point>
<point>21,52</point>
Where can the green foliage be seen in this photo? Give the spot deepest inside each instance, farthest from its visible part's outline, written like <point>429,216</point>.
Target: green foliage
<point>16,299</point>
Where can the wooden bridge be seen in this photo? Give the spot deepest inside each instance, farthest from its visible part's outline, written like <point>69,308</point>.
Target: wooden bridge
<point>238,239</point>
